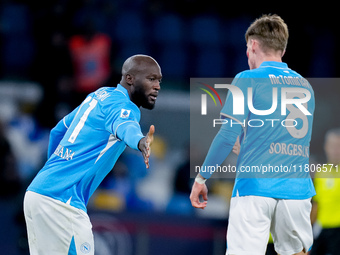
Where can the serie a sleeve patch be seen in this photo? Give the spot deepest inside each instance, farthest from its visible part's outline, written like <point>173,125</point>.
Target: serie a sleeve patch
<point>124,113</point>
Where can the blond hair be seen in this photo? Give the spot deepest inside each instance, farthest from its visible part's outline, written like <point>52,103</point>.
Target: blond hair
<point>271,31</point>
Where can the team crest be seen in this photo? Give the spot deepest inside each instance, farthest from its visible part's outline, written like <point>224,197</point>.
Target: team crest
<point>125,113</point>
<point>85,248</point>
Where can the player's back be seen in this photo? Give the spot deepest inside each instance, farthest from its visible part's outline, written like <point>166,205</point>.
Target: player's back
<point>275,144</point>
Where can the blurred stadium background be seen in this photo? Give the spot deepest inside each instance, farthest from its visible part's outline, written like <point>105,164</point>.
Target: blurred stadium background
<point>52,53</point>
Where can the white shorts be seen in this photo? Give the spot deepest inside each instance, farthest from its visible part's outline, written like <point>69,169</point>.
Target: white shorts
<point>56,228</point>
<point>251,218</point>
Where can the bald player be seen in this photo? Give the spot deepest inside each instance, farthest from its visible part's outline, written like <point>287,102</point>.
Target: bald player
<point>83,148</point>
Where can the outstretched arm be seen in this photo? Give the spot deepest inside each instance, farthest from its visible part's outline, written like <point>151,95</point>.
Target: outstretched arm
<point>131,134</point>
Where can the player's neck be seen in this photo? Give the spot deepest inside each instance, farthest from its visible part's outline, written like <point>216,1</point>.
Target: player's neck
<point>126,86</point>
<point>265,58</point>
<point>132,97</point>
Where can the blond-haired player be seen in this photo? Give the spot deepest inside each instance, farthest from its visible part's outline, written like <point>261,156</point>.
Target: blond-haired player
<point>272,190</point>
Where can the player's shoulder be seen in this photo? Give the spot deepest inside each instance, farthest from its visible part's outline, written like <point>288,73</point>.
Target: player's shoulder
<point>251,74</point>
<point>247,78</point>
<point>103,93</point>
<point>268,69</point>
<point>298,79</point>
<point>115,98</point>
<point>291,72</point>
<point>244,74</point>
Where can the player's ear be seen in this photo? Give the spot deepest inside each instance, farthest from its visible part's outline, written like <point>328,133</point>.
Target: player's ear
<point>254,45</point>
<point>284,51</point>
<point>129,79</point>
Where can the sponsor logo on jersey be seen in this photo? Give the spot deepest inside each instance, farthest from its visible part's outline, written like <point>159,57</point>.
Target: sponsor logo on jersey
<point>125,113</point>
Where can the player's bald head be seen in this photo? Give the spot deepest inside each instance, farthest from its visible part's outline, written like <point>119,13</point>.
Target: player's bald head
<point>141,77</point>
<point>138,63</point>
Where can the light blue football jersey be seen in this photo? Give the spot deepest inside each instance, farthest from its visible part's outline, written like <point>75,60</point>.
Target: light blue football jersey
<point>84,146</point>
<point>274,155</point>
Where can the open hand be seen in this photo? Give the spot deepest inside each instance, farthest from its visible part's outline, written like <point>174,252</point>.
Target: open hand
<point>145,143</point>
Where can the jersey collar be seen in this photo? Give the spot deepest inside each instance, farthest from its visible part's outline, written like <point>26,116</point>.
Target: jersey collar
<point>274,64</point>
<point>120,88</point>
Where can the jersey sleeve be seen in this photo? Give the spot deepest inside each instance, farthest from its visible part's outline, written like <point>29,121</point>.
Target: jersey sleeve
<point>220,148</point>
<point>58,132</point>
<point>130,133</point>
<point>123,123</point>
<point>235,106</point>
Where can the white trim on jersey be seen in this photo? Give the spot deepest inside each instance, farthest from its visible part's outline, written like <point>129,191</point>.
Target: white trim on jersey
<point>115,132</point>
<point>112,140</point>
<point>239,122</point>
<point>65,123</point>
<point>121,92</point>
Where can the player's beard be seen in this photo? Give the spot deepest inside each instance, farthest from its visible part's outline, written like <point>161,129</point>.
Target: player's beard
<point>142,99</point>
<point>147,104</point>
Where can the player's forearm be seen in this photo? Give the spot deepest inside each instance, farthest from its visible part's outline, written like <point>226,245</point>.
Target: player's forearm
<point>131,134</point>
<point>219,149</point>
